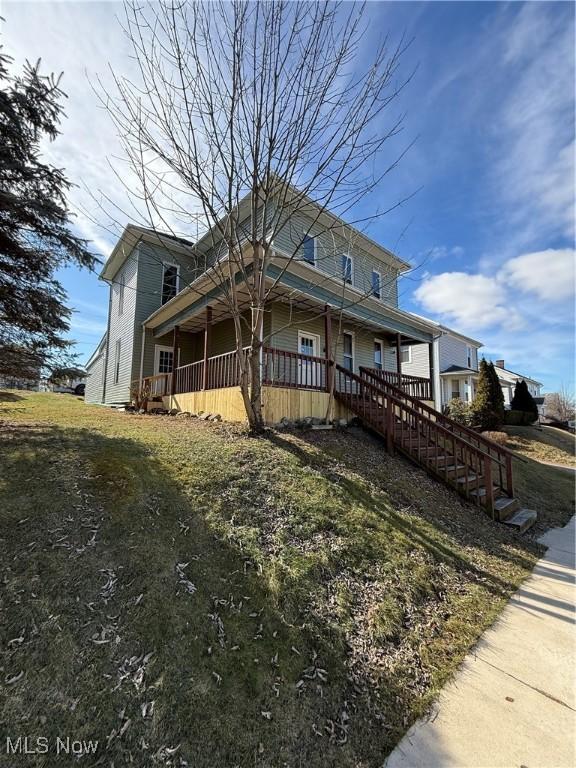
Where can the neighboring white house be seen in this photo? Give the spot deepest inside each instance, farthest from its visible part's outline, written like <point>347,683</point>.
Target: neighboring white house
<point>508,380</point>
<point>455,365</point>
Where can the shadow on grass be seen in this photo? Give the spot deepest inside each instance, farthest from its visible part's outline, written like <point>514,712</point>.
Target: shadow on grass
<point>9,397</point>
<point>430,528</point>
<point>106,561</point>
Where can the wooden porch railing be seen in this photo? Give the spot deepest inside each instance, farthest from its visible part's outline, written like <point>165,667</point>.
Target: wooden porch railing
<point>293,370</point>
<point>415,386</point>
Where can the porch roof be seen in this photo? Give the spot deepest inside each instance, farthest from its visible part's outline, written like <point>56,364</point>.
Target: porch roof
<point>302,286</point>
<point>456,370</point>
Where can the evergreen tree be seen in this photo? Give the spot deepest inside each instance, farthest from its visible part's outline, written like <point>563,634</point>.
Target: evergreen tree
<point>496,394</point>
<point>523,400</point>
<point>488,404</point>
<point>35,239</point>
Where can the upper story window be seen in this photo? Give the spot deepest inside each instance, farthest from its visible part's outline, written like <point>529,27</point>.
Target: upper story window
<point>309,249</point>
<point>347,268</point>
<point>469,357</point>
<point>169,282</point>
<point>376,284</point>
<point>121,284</point>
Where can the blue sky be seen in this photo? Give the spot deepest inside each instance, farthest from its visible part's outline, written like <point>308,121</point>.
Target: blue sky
<point>490,229</point>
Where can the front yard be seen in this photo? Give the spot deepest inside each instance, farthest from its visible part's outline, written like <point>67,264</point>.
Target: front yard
<point>187,595</point>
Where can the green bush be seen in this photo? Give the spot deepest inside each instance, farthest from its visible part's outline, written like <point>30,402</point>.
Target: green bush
<point>523,400</point>
<point>519,418</point>
<point>459,411</point>
<point>488,405</point>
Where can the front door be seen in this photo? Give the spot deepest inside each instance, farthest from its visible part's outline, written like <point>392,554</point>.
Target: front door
<point>308,370</point>
<point>163,359</point>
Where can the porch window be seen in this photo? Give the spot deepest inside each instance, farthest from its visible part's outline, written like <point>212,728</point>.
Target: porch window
<point>348,351</point>
<point>309,249</point>
<point>347,268</point>
<point>378,355</point>
<point>455,389</point>
<point>117,350</point>
<point>376,283</point>
<point>169,282</point>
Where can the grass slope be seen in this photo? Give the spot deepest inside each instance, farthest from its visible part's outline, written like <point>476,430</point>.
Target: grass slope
<point>187,595</point>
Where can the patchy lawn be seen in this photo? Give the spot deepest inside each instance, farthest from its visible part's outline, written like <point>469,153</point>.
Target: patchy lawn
<point>187,595</point>
<point>546,444</point>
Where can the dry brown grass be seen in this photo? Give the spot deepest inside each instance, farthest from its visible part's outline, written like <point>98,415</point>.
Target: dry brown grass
<point>545,444</point>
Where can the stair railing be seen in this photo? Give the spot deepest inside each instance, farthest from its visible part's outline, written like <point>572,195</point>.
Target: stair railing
<point>502,456</point>
<point>440,450</point>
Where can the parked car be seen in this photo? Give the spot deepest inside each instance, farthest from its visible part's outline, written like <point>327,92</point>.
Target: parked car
<point>72,387</point>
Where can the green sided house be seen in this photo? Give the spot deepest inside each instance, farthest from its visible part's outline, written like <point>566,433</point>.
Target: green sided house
<point>332,327</point>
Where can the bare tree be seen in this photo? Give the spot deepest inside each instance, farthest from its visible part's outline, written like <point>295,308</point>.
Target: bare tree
<point>265,103</point>
<point>560,405</point>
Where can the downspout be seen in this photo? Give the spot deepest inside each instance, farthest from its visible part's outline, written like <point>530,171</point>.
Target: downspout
<point>107,345</point>
<point>437,379</point>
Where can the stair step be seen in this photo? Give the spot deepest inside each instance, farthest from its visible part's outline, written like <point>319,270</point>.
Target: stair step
<point>469,479</point>
<point>505,507</point>
<point>496,492</point>
<point>456,469</point>
<point>522,519</point>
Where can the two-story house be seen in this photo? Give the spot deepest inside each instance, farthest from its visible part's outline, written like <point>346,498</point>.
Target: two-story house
<point>455,365</point>
<point>167,315</point>
<point>334,341</point>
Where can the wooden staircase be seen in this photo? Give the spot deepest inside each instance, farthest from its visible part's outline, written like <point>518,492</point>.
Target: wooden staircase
<point>477,468</point>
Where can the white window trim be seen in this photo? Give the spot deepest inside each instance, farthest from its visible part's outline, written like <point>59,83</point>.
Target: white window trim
<point>170,264</point>
<point>308,335</point>
<point>353,335</point>
<point>121,287</point>
<point>348,256</point>
<point>117,355</point>
<point>157,349</point>
<point>376,272</point>
<point>381,342</point>
<point>314,241</point>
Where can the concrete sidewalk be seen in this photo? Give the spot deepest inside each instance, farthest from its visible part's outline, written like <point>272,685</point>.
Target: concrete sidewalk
<point>513,701</point>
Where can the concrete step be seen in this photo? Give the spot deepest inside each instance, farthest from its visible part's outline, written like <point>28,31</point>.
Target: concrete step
<point>505,507</point>
<point>522,519</point>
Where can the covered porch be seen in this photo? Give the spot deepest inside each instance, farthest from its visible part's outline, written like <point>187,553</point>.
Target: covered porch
<point>302,340</point>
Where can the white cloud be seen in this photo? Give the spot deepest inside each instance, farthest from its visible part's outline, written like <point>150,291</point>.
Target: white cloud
<point>471,301</point>
<point>548,274</point>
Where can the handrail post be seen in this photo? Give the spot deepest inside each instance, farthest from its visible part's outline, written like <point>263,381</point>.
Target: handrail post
<point>399,359</point>
<point>175,340</point>
<point>389,425</point>
<point>488,485</point>
<point>509,476</point>
<point>207,325</point>
<point>328,348</point>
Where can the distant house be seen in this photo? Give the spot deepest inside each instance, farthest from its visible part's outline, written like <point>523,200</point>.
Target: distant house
<point>455,363</point>
<point>14,382</point>
<point>508,380</point>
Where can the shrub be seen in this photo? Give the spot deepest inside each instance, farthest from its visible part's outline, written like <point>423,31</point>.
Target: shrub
<point>497,437</point>
<point>460,411</point>
<point>519,418</point>
<point>523,400</point>
<point>488,405</point>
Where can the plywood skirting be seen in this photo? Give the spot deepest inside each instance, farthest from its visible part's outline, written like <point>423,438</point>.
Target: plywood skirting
<point>227,402</point>
<point>295,404</point>
<point>278,402</point>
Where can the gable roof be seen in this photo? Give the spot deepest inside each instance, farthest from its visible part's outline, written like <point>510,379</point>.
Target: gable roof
<point>128,240</point>
<point>498,369</point>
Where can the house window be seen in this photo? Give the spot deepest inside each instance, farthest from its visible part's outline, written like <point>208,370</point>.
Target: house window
<point>348,350</point>
<point>163,359</point>
<point>405,354</point>
<point>347,268</point>
<point>169,282</point>
<point>469,356</point>
<point>378,355</point>
<point>121,293</point>
<point>376,284</point>
<point>117,350</point>
<point>455,389</point>
<point>309,249</point>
